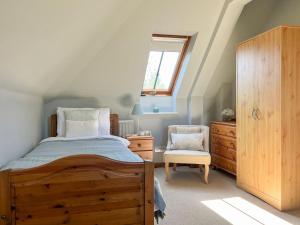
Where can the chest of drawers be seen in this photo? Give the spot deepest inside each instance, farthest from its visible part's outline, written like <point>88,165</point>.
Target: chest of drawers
<point>223,146</point>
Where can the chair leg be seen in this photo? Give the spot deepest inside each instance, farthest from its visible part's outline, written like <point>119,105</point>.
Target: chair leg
<point>206,173</point>
<point>167,170</point>
<point>201,168</point>
<point>174,166</point>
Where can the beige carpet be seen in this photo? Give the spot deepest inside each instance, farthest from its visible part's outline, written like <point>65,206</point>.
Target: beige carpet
<point>191,202</point>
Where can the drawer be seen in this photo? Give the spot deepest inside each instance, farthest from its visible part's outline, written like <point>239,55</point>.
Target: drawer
<point>229,131</point>
<point>146,155</point>
<point>223,151</point>
<point>141,145</point>
<point>223,141</point>
<point>224,164</point>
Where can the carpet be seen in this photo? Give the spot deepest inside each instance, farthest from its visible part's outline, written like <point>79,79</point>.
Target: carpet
<point>191,202</point>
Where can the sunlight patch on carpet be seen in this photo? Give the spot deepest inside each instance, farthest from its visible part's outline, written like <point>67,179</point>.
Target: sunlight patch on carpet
<point>238,211</point>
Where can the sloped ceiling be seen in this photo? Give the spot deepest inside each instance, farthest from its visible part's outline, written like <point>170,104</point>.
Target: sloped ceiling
<point>41,42</point>
<point>95,48</point>
<point>119,68</point>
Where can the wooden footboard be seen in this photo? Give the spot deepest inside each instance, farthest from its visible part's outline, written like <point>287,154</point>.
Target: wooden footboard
<point>78,190</point>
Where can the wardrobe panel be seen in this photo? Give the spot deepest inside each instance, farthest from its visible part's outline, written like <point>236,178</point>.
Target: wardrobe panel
<point>291,118</point>
<point>246,88</point>
<point>267,106</point>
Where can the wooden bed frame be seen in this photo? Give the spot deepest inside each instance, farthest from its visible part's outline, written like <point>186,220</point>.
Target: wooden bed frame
<point>79,190</point>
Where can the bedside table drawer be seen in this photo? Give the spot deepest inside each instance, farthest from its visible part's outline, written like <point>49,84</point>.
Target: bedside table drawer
<point>146,155</point>
<point>141,145</point>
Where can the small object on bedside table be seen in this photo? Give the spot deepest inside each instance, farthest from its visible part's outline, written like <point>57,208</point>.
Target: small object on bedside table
<point>142,145</point>
<point>145,133</point>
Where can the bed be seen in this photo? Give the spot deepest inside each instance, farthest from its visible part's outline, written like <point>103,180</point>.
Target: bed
<point>85,189</point>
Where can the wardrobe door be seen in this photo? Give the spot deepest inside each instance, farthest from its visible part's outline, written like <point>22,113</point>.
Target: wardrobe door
<point>290,86</point>
<point>246,129</point>
<point>267,110</point>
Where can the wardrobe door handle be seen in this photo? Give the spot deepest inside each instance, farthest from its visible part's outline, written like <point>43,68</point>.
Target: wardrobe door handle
<point>258,114</point>
<point>254,116</point>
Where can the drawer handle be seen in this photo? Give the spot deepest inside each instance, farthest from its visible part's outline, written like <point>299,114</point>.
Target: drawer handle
<point>3,217</point>
<point>139,145</point>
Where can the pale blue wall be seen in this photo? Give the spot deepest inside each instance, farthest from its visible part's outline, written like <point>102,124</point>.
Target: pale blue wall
<point>21,124</point>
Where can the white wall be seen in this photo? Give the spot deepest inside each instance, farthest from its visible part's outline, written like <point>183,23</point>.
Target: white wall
<point>117,71</point>
<point>21,124</point>
<point>285,12</point>
<point>257,17</point>
<point>94,53</point>
<point>220,92</point>
<point>157,123</point>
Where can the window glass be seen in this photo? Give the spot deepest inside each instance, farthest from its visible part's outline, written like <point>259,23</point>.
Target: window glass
<point>164,60</point>
<point>152,69</point>
<point>167,69</point>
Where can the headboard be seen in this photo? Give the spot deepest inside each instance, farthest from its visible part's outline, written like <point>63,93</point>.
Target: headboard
<point>114,125</point>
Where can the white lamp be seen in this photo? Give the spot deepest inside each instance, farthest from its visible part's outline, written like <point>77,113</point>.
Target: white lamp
<point>137,111</point>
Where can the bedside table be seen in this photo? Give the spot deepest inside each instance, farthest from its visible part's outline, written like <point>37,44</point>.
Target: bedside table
<point>142,145</point>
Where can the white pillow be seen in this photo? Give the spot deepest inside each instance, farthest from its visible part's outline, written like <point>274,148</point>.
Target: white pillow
<point>192,141</point>
<point>104,120</point>
<point>82,115</point>
<point>75,129</point>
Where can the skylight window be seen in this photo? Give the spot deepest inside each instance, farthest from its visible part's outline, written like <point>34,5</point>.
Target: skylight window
<point>164,63</point>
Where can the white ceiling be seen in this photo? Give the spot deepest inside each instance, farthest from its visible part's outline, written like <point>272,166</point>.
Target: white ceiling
<point>98,48</point>
<point>41,40</point>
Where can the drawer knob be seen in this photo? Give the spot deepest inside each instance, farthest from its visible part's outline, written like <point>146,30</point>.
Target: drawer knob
<point>139,144</point>
<point>3,217</point>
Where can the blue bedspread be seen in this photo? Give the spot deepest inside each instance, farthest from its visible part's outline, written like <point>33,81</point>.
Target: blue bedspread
<point>48,151</point>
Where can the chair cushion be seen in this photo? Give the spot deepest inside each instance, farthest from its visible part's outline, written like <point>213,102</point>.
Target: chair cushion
<point>187,156</point>
<point>187,153</point>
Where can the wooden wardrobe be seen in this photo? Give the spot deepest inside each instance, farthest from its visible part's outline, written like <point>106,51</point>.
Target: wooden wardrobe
<point>268,116</point>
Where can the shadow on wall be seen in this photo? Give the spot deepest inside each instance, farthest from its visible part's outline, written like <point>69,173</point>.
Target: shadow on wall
<point>214,106</point>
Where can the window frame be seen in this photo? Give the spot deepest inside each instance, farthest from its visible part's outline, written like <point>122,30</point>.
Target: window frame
<point>169,92</point>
